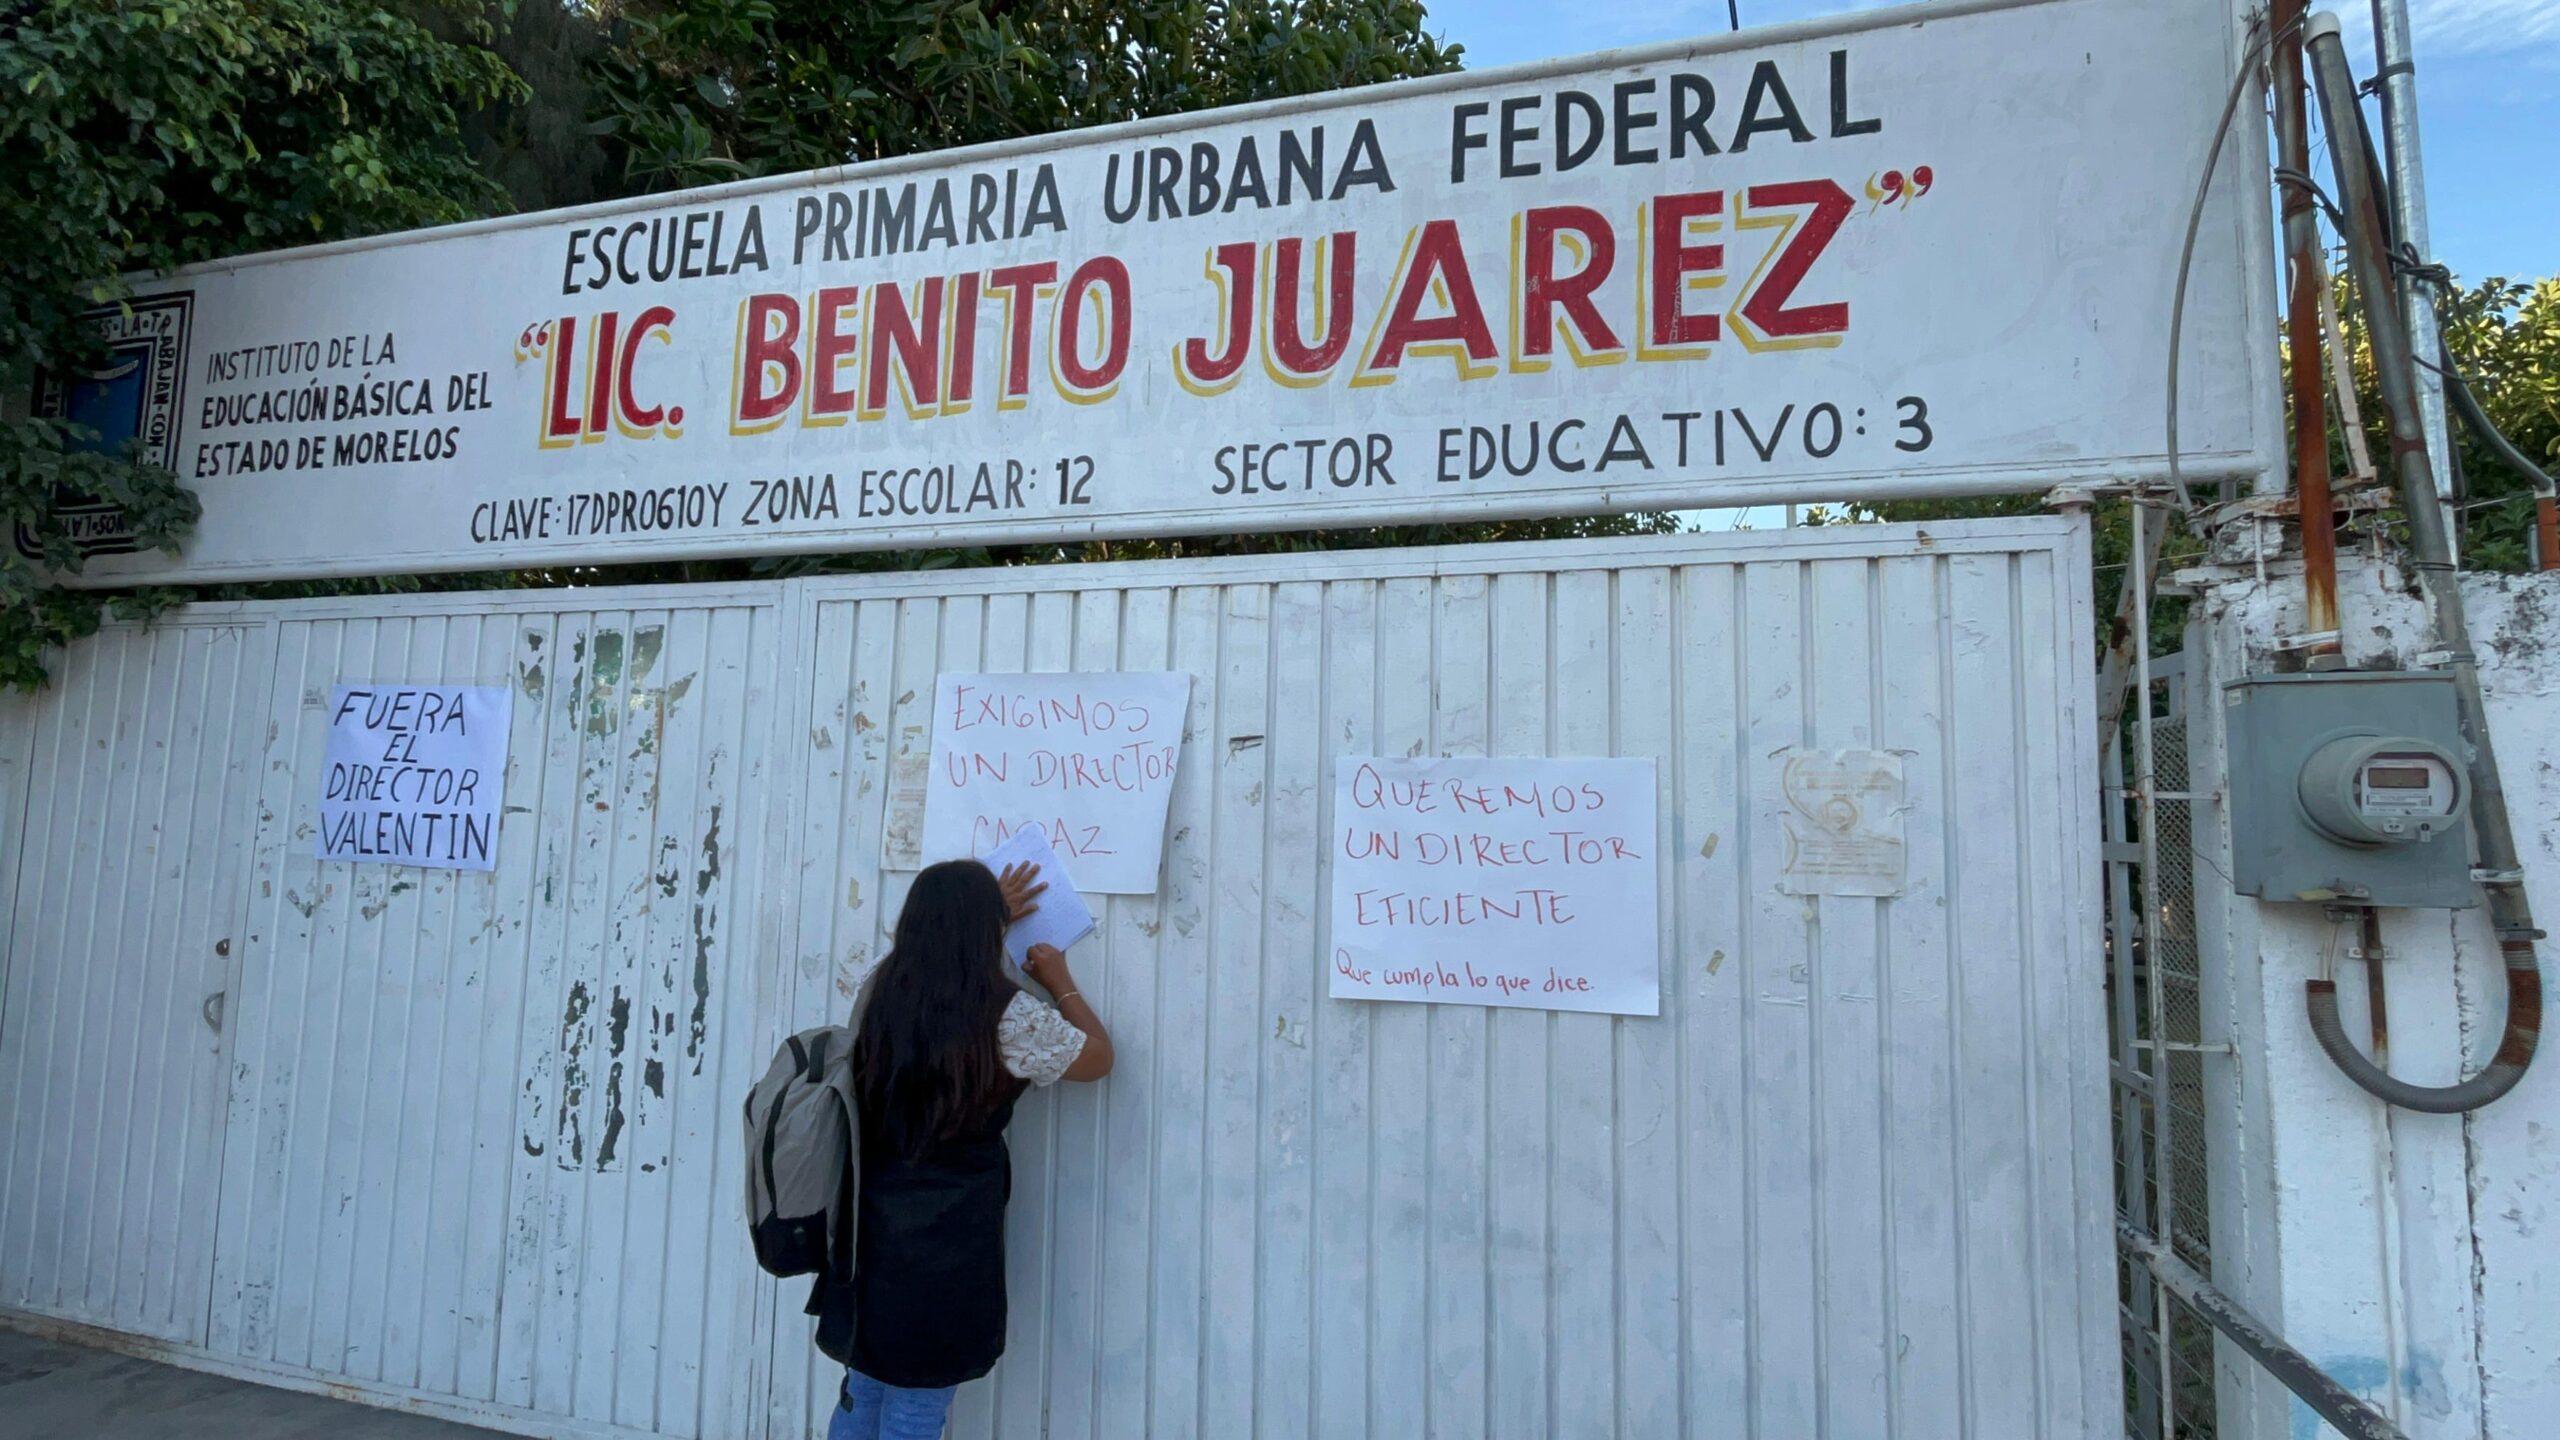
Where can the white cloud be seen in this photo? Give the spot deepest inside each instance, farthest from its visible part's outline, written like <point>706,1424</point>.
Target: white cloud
<point>2526,32</point>
<point>2484,27</point>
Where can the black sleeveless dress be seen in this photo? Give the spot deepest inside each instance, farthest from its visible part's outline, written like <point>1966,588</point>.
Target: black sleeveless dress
<point>926,1305</point>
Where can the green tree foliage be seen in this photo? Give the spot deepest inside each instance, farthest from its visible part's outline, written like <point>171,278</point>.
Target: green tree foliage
<point>536,139</point>
<point>699,91</point>
<point>140,137</point>
<point>2505,339</point>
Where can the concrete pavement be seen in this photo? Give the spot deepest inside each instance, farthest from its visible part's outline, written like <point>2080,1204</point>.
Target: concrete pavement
<point>52,1391</point>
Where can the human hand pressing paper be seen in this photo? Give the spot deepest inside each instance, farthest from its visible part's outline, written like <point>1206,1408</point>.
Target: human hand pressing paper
<point>1061,918</point>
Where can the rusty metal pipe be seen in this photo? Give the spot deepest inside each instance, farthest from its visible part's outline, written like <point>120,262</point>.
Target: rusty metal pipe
<point>2305,273</point>
<point>2500,870</point>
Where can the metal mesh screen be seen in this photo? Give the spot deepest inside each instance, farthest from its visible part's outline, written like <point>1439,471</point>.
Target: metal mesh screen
<point>2155,990</point>
<point>2178,969</point>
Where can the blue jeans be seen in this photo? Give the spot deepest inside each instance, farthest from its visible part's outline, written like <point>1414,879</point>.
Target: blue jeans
<point>869,1410</point>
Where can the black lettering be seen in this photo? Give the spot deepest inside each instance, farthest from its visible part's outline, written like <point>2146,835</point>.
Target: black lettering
<point>691,268</point>
<point>1245,180</point>
<point>1301,163</point>
<point>1204,177</point>
<point>938,226</point>
<point>1570,153</point>
<point>1515,134</point>
<point>1821,449</point>
<point>569,266</point>
<point>1692,101</point>
<point>1768,88</point>
<point>1365,165</point>
<point>1463,137</point>
<point>893,225</point>
<point>982,209</point>
<point>1629,122</point>
<point>806,215</point>
<point>1164,172</point>
<point>1841,125</point>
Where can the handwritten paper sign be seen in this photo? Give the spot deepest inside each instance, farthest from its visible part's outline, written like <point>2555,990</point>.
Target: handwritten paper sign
<point>1843,822</point>
<point>1088,759</point>
<point>1062,918</point>
<point>416,774</point>
<point>1524,882</point>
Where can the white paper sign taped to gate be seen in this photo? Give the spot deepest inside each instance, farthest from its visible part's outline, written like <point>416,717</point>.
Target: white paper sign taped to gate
<point>1527,882</point>
<point>1842,822</point>
<point>1088,758</point>
<point>1918,251</point>
<point>415,775</point>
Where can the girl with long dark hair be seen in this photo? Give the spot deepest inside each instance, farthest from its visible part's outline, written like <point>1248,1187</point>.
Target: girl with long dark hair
<point>944,1045</point>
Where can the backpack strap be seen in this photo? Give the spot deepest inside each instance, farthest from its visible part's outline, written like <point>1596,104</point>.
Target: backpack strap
<point>772,1115</point>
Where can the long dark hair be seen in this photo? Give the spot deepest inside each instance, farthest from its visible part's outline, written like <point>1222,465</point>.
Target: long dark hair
<point>925,1068</point>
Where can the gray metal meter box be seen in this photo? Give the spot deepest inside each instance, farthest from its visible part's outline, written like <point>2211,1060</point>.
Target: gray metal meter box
<point>2349,785</point>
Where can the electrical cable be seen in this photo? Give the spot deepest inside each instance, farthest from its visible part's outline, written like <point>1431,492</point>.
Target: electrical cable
<point>2288,176</point>
<point>2240,81</point>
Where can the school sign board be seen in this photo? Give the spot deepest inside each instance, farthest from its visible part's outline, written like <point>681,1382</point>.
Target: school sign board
<point>1928,250</point>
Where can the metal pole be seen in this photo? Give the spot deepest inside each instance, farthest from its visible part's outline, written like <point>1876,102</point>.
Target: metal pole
<point>2398,73</point>
<point>2310,1384</point>
<point>2164,1213</point>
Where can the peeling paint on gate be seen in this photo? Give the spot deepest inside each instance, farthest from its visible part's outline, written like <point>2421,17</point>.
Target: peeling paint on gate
<point>706,919</point>
<point>573,1076</point>
<point>617,1032</point>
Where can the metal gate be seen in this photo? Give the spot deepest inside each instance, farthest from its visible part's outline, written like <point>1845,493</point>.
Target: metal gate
<point>1852,1181</point>
<point>123,793</point>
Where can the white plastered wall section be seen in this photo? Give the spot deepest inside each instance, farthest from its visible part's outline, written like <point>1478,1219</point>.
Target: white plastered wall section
<point>2409,1255</point>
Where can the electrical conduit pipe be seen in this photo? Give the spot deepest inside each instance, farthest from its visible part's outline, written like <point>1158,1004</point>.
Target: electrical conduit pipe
<point>2500,872</point>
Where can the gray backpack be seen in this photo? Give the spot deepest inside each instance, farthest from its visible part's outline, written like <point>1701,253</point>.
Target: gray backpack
<point>804,1155</point>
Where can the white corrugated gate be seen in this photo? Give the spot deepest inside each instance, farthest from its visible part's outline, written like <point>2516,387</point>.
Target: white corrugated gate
<point>462,1142</point>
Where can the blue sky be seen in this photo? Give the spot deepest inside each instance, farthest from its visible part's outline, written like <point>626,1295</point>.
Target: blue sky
<point>2488,97</point>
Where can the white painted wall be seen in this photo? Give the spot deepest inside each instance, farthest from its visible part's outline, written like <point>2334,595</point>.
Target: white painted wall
<point>2414,1256</point>
<point>1852,1181</point>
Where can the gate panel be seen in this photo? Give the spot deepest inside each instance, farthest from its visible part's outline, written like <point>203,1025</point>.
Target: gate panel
<point>480,1147</point>
<point>479,1155</point>
<point>126,864</point>
<point>1849,1183</point>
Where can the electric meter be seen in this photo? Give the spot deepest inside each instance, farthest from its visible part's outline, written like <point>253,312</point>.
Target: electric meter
<point>2382,790</point>
<point>2349,786</point>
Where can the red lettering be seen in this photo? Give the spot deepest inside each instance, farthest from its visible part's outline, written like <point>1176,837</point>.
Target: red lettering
<point>832,343</point>
<point>768,378</point>
<point>558,425</point>
<point>1202,368</point>
<point>1543,292</point>
<point>1673,261</point>
<point>1111,278</point>
<point>910,340</point>
<point>656,320</point>
<point>600,373</point>
<point>1437,270</point>
<point>1018,286</point>
<point>960,378</point>
<point>1289,348</point>
<point>1766,308</point>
